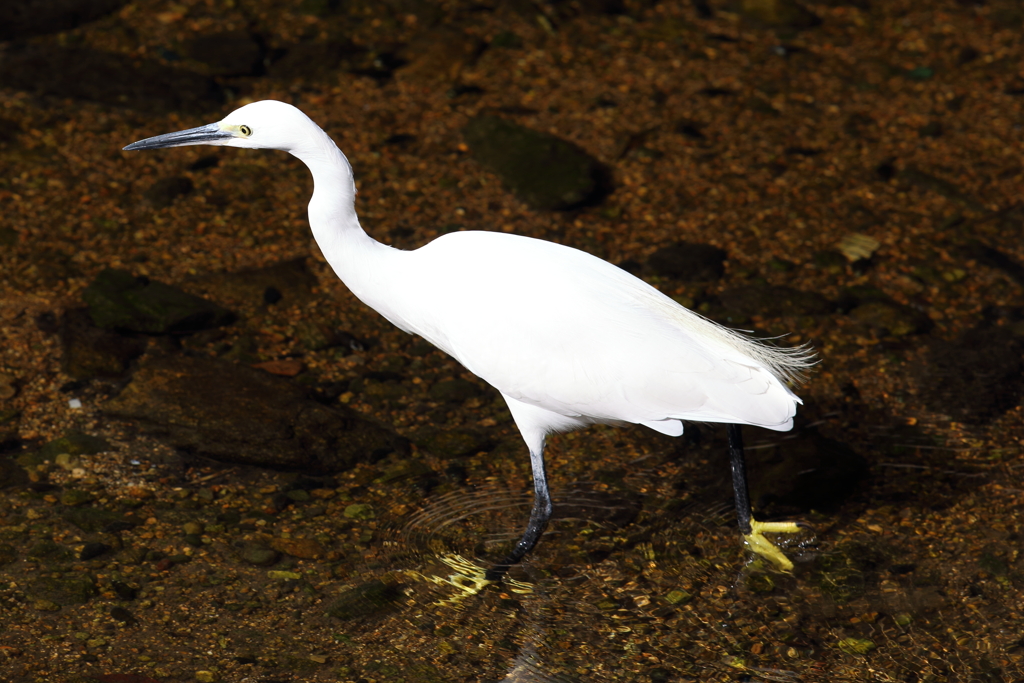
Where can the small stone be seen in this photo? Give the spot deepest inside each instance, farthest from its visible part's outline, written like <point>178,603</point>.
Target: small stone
<point>304,548</point>
<point>66,461</point>
<point>677,597</point>
<point>280,575</point>
<point>195,528</point>
<point>856,646</point>
<point>92,550</point>
<point>857,246</point>
<point>76,497</point>
<point>284,368</point>
<point>361,511</point>
<point>259,555</point>
<point>206,677</point>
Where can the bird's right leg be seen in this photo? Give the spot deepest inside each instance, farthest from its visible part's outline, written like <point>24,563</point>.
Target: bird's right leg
<point>751,529</point>
<point>539,516</point>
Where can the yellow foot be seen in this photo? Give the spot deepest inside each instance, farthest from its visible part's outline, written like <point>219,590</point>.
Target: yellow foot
<point>765,548</point>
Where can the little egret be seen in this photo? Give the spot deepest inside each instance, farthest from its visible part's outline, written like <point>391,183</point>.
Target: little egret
<point>568,339</point>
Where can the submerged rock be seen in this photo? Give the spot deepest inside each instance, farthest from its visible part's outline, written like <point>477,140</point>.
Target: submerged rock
<point>234,413</point>
<point>371,599</point>
<point>689,262</point>
<point>541,169</point>
<point>89,351</point>
<point>285,284</point>
<point>120,301</point>
<point>108,78</point>
<point>20,19</point>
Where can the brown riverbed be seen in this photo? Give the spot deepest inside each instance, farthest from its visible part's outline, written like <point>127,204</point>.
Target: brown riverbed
<point>857,162</point>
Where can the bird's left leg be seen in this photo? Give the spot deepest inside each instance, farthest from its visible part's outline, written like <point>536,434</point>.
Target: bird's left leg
<point>751,529</point>
<point>539,516</point>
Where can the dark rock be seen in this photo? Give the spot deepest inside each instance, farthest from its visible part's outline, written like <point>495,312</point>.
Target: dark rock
<point>108,78</point>
<point>93,549</point>
<point>49,551</point>
<point>371,599</point>
<point>975,378</point>
<point>120,301</point>
<point>316,336</point>
<point>993,258</point>
<point>235,53</point>
<point>292,280</point>
<point>888,318</point>
<point>90,519</point>
<point>8,237</point>
<point>90,352</point>
<point>12,474</point>
<point>318,61</point>
<point>24,18</point>
<point>774,302</point>
<point>122,615</point>
<point>259,555</point>
<point>164,191</point>
<point>205,162</point>
<point>689,262</point>
<point>8,553</point>
<point>124,591</point>
<point>73,443</point>
<point>438,56</point>
<point>806,472</point>
<point>455,390</point>
<point>66,590</point>
<point>75,497</point>
<point>544,171</point>
<point>776,13</point>
<point>233,413</point>
<point>506,39</point>
<point>454,443</point>
<point>271,295</point>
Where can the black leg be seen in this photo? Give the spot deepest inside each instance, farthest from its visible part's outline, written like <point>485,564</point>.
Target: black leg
<point>739,479</point>
<point>539,517</point>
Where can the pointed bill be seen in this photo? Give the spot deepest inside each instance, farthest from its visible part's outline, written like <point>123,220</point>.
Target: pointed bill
<point>210,134</point>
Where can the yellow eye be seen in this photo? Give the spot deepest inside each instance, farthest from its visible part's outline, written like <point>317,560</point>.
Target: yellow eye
<point>245,130</point>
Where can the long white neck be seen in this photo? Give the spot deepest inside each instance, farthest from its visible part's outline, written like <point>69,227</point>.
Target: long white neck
<point>355,256</point>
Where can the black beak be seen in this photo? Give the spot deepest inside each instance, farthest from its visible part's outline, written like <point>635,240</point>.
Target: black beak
<point>210,134</point>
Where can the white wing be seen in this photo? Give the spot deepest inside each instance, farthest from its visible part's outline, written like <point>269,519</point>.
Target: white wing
<point>563,330</point>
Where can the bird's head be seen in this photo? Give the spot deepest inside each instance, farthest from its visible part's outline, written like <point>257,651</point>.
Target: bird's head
<point>261,125</point>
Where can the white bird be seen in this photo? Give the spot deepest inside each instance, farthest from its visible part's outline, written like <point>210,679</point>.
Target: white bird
<point>568,339</point>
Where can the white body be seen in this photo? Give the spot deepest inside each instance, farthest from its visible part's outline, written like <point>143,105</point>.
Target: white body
<point>568,339</point>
